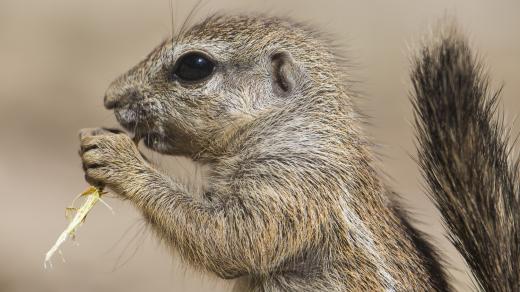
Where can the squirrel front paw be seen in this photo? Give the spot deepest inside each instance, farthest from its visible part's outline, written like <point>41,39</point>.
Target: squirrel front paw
<point>109,159</point>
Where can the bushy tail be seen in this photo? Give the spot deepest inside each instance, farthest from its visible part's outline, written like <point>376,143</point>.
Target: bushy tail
<point>465,158</point>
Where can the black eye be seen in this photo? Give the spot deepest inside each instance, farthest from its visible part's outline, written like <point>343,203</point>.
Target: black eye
<point>193,67</point>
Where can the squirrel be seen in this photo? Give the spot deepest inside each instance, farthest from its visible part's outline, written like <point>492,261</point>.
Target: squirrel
<point>293,201</point>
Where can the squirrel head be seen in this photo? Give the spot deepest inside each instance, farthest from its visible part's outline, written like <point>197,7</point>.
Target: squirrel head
<point>193,93</point>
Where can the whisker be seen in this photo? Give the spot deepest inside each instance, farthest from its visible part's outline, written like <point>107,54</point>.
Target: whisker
<point>125,233</point>
<point>172,20</point>
<point>141,234</point>
<point>190,16</point>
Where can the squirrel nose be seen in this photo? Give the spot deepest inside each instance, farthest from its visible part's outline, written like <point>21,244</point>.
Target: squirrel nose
<point>118,99</point>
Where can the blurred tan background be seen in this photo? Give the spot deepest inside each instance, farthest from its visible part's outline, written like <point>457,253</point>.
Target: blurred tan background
<point>58,56</point>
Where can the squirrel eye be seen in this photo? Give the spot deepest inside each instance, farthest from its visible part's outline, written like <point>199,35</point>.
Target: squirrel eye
<point>193,67</point>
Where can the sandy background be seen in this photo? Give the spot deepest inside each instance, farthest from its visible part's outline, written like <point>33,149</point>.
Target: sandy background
<point>58,56</point>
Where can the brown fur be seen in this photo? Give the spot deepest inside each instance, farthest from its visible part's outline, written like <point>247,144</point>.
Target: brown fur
<point>293,202</point>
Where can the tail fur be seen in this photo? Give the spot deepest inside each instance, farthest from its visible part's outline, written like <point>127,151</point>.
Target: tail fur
<point>464,153</point>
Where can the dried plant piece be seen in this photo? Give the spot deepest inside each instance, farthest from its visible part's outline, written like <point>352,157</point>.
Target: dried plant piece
<point>93,195</point>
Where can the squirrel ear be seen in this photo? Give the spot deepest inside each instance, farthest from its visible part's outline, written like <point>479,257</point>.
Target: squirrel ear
<point>284,73</point>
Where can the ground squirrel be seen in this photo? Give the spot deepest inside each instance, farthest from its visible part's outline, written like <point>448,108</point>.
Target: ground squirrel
<point>293,201</point>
